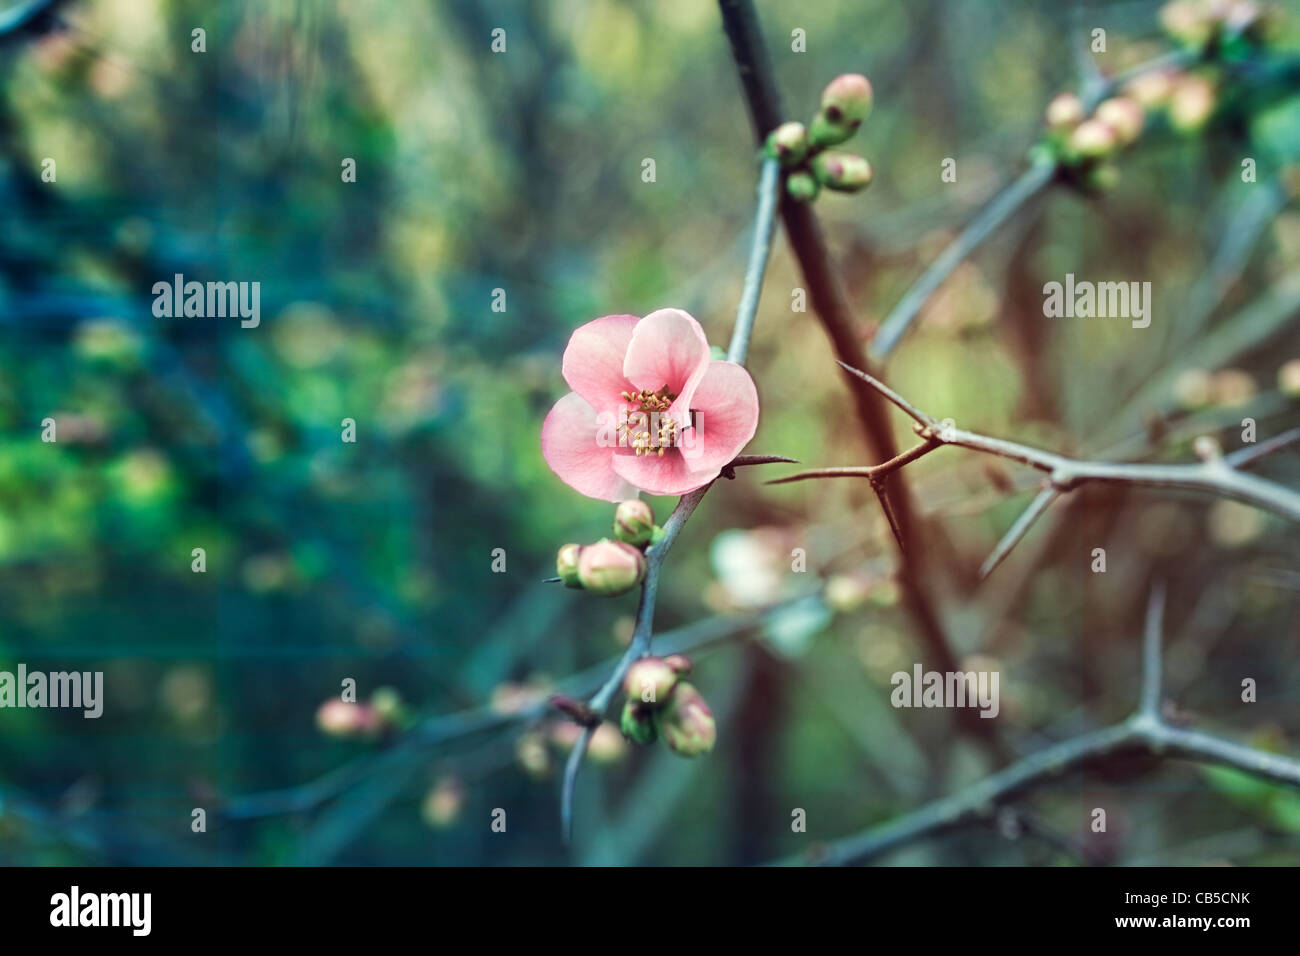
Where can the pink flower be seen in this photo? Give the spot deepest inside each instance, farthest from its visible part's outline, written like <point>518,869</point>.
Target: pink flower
<point>648,410</point>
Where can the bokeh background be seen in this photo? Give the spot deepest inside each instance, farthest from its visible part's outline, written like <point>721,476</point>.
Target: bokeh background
<point>373,561</point>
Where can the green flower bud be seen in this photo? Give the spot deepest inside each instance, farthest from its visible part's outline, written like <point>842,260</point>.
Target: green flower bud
<point>802,187</point>
<point>1102,177</point>
<point>1124,116</point>
<point>788,144</point>
<point>1190,22</point>
<point>388,706</point>
<point>610,567</point>
<point>638,723</point>
<point>566,565</point>
<point>847,100</point>
<point>680,663</point>
<point>649,680</point>
<point>1092,139</point>
<point>687,724</point>
<point>634,522</point>
<point>843,172</point>
<point>1191,103</point>
<point>826,132</point>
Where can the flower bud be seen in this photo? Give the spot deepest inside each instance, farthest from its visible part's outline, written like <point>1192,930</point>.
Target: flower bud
<point>1188,21</point>
<point>566,565</point>
<point>606,745</point>
<point>638,723</point>
<point>680,663</point>
<point>649,680</point>
<point>826,132</point>
<point>802,187</point>
<point>1064,112</point>
<point>442,804</point>
<point>788,144</point>
<point>843,172</point>
<point>686,724</point>
<point>1207,448</point>
<point>610,567</point>
<point>1152,89</point>
<point>387,705</point>
<point>1124,116</point>
<point>634,522</point>
<point>1288,378</point>
<point>1102,178</point>
<point>341,718</point>
<point>1092,139</point>
<point>1191,103</point>
<point>847,99</point>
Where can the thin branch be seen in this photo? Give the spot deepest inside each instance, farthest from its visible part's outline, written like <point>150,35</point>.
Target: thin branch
<point>1245,457</point>
<point>1145,732</point>
<point>1065,474</point>
<point>999,209</point>
<point>769,188</point>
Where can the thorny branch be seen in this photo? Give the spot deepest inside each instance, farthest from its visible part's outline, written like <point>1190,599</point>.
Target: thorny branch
<point>1146,732</point>
<point>1216,475</point>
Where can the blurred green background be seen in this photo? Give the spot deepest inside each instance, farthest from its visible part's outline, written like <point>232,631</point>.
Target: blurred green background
<point>373,561</point>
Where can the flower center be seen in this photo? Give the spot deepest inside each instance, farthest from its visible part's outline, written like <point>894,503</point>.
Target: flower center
<point>647,406</point>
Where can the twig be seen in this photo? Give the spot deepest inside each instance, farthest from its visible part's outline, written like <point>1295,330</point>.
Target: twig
<point>1042,501</point>
<point>1005,204</point>
<point>1145,732</point>
<point>1216,476</point>
<point>769,186</point>
<point>1019,192</point>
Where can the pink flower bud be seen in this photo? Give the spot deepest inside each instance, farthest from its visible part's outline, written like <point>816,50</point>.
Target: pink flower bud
<point>610,567</point>
<point>1064,112</point>
<point>843,172</point>
<point>847,100</point>
<point>687,724</point>
<point>1093,139</point>
<point>650,681</point>
<point>788,144</point>
<point>1124,116</point>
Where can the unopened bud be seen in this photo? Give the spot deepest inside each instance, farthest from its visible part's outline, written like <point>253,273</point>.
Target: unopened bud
<point>1102,178</point>
<point>610,567</point>
<point>340,718</point>
<point>1191,103</point>
<point>566,565</point>
<point>638,723</point>
<point>441,805</point>
<point>388,706</point>
<point>1064,112</point>
<point>680,663</point>
<point>1288,378</point>
<point>802,186</point>
<point>843,172</point>
<point>846,593</point>
<point>606,744</point>
<point>634,522</point>
<point>1092,139</point>
<point>1189,22</point>
<point>687,724</point>
<point>788,144</point>
<point>1124,116</point>
<point>1207,448</point>
<point>1151,90</point>
<point>649,680</point>
<point>847,99</point>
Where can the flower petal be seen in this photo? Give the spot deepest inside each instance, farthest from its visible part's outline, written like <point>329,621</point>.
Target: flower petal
<point>593,359</point>
<point>666,475</point>
<point>726,417</point>
<point>579,447</point>
<point>668,347</point>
